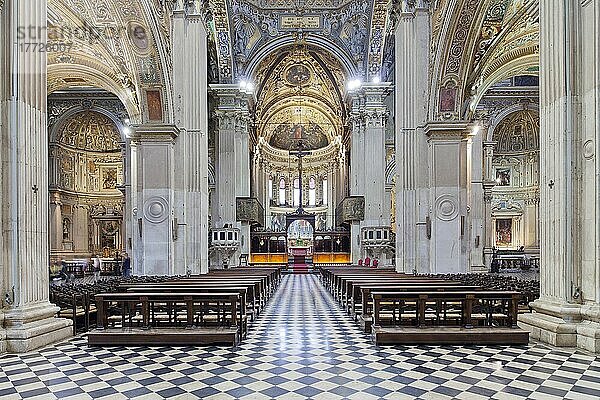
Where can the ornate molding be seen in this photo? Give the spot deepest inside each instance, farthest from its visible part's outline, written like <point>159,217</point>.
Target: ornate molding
<point>350,209</point>
<point>249,209</point>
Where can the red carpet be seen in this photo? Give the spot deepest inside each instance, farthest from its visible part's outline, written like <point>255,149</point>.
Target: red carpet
<point>299,268</point>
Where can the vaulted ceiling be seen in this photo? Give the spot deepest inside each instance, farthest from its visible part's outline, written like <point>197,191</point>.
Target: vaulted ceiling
<point>299,97</point>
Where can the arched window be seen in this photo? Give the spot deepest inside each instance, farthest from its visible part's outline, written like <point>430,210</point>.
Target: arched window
<point>312,191</point>
<point>282,191</point>
<point>296,192</point>
<point>324,191</point>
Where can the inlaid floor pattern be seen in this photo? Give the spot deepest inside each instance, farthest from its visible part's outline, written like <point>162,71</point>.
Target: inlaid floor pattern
<point>302,346</point>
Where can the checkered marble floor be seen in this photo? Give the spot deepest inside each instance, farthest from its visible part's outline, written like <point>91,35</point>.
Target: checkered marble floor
<point>303,346</point>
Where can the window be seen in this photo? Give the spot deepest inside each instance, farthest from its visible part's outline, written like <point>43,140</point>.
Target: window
<point>312,192</point>
<point>296,192</point>
<point>270,189</point>
<point>325,191</point>
<point>282,191</point>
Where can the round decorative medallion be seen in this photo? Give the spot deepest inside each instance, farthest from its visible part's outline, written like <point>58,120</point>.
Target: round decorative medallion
<point>446,207</point>
<point>156,209</point>
<point>588,149</point>
<point>298,74</point>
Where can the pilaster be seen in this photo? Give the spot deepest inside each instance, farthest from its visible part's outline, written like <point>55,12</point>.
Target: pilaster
<point>154,213</point>
<point>448,196</point>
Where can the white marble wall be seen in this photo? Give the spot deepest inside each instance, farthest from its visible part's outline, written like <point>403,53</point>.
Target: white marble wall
<point>29,321</point>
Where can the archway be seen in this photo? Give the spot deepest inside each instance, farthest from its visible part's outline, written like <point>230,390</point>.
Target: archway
<point>86,179</point>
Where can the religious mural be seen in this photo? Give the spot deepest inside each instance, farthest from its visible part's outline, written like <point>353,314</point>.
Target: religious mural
<point>286,136</point>
<point>504,232</point>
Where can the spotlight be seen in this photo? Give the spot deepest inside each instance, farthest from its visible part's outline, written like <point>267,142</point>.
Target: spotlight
<point>376,79</point>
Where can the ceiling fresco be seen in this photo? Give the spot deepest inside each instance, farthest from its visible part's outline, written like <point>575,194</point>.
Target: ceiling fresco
<point>299,96</point>
<point>243,29</point>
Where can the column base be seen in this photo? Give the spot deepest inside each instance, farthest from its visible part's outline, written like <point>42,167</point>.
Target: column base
<point>563,324</point>
<point>549,329</point>
<point>34,326</point>
<point>2,341</point>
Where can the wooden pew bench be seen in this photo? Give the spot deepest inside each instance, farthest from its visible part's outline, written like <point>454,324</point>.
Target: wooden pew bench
<point>168,316</point>
<point>363,311</point>
<point>446,317</point>
<point>222,308</point>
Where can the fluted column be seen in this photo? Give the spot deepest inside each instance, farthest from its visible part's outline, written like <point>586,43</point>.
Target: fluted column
<point>190,87</point>
<point>29,318</point>
<point>56,222</point>
<point>232,160</point>
<point>412,37</point>
<point>568,311</point>
<point>488,239</point>
<point>369,115</point>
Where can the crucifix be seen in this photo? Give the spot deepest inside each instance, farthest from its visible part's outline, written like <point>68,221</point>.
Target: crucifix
<point>300,153</point>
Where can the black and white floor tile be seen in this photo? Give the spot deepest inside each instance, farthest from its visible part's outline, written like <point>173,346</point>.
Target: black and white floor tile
<point>303,346</point>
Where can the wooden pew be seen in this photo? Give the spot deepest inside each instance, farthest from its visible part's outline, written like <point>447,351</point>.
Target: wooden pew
<point>227,329</point>
<point>364,314</point>
<point>493,322</point>
<point>243,312</point>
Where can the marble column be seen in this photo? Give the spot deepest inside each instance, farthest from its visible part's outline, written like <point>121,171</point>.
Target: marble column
<point>56,224</point>
<point>476,200</point>
<point>153,215</point>
<point>368,115</point>
<point>488,184</point>
<point>448,196</point>
<point>190,87</point>
<point>412,36</point>
<point>27,319</point>
<point>568,311</point>
<point>232,161</point>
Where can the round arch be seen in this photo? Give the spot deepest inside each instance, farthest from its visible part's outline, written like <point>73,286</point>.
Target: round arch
<point>334,50</point>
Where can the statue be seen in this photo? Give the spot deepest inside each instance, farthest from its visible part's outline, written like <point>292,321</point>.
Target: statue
<point>66,229</point>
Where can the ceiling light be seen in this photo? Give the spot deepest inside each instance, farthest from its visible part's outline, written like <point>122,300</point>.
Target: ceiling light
<point>354,84</point>
<point>376,79</point>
